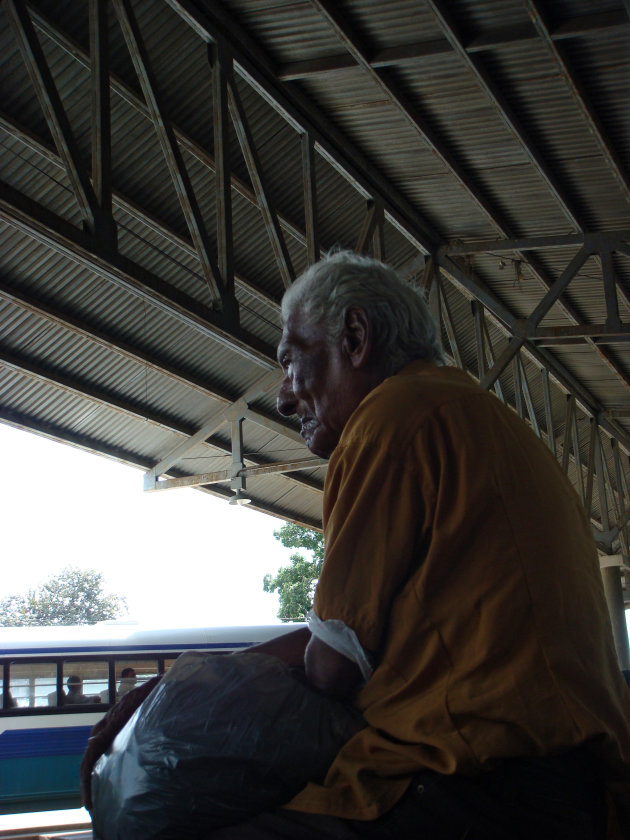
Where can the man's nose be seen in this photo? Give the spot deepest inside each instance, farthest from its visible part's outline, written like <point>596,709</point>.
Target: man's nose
<point>287,400</point>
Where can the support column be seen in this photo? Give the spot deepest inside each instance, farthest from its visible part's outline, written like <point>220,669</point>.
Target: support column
<point>611,576</point>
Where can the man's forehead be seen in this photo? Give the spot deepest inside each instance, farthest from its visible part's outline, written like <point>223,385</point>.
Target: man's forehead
<point>296,332</point>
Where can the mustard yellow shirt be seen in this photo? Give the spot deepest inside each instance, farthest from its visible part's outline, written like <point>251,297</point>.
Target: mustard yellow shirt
<point>461,556</point>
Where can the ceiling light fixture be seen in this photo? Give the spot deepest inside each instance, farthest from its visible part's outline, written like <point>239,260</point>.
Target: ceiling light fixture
<point>239,498</point>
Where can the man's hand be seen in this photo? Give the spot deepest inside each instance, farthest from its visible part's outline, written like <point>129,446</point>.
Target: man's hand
<point>330,671</point>
<point>103,734</point>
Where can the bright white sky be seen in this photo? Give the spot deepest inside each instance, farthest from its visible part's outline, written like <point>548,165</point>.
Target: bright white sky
<point>180,557</point>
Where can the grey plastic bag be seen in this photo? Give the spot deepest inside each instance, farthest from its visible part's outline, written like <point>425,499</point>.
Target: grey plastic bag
<point>220,739</point>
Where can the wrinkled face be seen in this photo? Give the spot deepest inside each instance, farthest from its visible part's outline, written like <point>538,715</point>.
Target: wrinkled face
<point>318,384</point>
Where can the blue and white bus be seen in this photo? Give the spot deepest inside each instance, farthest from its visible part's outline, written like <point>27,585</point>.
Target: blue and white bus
<point>57,682</point>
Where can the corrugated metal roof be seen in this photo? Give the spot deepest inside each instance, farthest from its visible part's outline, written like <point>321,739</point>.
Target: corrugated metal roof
<point>128,355</point>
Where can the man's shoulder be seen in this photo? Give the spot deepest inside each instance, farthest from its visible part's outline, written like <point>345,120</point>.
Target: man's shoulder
<point>401,403</point>
<point>419,388</point>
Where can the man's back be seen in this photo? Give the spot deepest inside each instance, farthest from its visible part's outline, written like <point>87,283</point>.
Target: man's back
<point>475,581</point>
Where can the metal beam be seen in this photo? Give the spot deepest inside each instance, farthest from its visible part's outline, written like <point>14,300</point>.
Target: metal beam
<point>378,237</point>
<point>590,470</point>
<point>610,291</point>
<point>527,396</point>
<point>309,185</point>
<point>550,336</point>
<point>252,64</point>
<point>420,124</point>
<point>505,112</point>
<point>123,202</point>
<point>551,435</point>
<point>601,483</point>
<point>591,119</point>
<point>558,287</point>
<point>568,421</point>
<point>237,479</point>
<point>52,431</point>
<point>272,424</point>
<point>490,354</point>
<point>133,459</point>
<point>330,144</point>
<point>52,107</point>
<point>38,222</point>
<point>490,377</point>
<point>214,421</point>
<point>75,51</point>
<point>84,389</point>
<point>577,457</point>
<point>149,359</point>
<point>244,472</point>
<point>220,59</point>
<point>509,316</point>
<point>593,25</point>
<point>449,325</point>
<point>590,242</point>
<point>101,117</point>
<point>254,167</point>
<point>367,228</point>
<point>302,481</point>
<point>520,331</point>
<point>508,323</point>
<point>613,238</point>
<point>518,388</point>
<point>410,112</point>
<point>477,311</point>
<point>620,481</point>
<point>168,143</point>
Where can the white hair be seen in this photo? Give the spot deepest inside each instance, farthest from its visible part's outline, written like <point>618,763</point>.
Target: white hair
<point>402,324</point>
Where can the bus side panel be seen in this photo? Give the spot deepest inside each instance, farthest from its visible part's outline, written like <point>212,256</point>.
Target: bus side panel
<point>39,768</point>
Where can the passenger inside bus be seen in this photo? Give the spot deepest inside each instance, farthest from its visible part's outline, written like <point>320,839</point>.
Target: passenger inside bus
<point>75,694</point>
<point>128,680</point>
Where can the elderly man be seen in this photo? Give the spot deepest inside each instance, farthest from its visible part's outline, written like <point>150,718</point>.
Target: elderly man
<point>460,604</point>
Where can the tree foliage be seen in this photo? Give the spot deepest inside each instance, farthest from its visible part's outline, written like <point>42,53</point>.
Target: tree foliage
<point>296,583</point>
<point>74,596</point>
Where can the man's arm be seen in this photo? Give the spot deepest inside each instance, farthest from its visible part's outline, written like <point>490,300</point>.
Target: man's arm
<point>289,647</point>
<point>330,671</point>
<point>326,669</point>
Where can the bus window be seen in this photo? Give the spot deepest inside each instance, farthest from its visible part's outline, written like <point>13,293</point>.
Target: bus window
<point>33,684</point>
<point>84,681</point>
<point>130,673</point>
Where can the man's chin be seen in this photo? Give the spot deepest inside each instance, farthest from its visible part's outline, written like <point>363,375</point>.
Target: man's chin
<point>319,447</point>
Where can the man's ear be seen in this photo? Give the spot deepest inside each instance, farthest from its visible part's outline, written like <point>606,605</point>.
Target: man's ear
<point>357,338</point>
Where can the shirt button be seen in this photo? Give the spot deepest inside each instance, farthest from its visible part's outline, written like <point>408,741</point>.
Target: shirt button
<point>420,789</point>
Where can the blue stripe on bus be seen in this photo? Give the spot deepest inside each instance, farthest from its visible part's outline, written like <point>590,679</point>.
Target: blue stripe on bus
<point>31,743</point>
<point>123,647</point>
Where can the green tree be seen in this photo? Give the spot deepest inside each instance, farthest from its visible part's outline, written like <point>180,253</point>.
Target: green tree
<point>74,596</point>
<point>296,583</point>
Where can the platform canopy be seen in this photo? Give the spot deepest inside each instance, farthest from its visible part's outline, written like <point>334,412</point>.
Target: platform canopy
<point>170,166</point>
